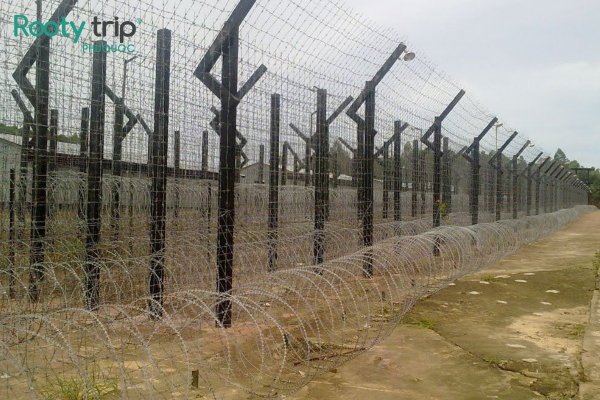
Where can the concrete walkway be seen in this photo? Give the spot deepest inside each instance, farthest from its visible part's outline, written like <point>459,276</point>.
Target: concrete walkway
<point>514,331</point>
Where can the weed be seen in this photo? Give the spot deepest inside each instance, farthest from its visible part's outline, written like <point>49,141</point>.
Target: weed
<point>78,388</point>
<point>490,279</point>
<point>577,330</point>
<point>422,322</point>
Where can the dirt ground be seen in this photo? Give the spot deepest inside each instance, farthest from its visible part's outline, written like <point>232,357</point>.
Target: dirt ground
<point>520,329</point>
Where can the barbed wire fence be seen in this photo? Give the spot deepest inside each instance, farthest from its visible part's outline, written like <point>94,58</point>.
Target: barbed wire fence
<point>254,196</point>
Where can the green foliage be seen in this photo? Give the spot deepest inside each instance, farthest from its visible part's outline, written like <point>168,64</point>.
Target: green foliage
<point>422,321</point>
<point>10,130</point>
<point>16,131</point>
<point>490,279</point>
<point>77,389</point>
<point>68,138</point>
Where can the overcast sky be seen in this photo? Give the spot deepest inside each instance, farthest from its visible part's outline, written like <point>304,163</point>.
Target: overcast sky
<point>535,63</point>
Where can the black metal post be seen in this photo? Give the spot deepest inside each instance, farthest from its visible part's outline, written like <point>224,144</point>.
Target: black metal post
<point>321,176</point>
<point>39,194</point>
<point>515,182</point>
<point>274,181</point>
<point>177,171</point>
<point>446,178</point>
<point>53,131</point>
<point>83,154</point>
<point>117,166</point>
<point>437,172</point>
<point>307,165</point>
<point>261,164</point>
<point>11,235</point>
<point>398,171</point>
<point>205,151</point>
<point>367,173</point>
<point>158,210</point>
<point>475,179</point>
<point>94,192</point>
<point>284,162</point>
<point>386,181</point>
<point>415,178</point>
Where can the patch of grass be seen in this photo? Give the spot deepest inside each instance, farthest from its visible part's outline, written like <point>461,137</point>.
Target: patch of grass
<point>596,262</point>
<point>421,322</point>
<point>493,361</point>
<point>490,279</point>
<point>76,388</point>
<point>577,330</point>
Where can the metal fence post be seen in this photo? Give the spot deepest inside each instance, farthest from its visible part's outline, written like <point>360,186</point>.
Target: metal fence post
<point>83,156</point>
<point>261,164</point>
<point>321,176</point>
<point>158,209</point>
<point>398,171</point>
<point>437,172</point>
<point>204,151</point>
<point>415,178</point>
<point>274,181</point>
<point>94,192</point>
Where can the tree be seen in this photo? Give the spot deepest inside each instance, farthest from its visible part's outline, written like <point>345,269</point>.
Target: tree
<point>561,157</point>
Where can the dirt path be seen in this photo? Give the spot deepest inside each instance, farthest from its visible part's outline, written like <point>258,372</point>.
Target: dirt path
<point>514,331</point>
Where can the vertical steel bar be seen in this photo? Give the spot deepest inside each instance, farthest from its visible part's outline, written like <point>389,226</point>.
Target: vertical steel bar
<point>415,178</point>
<point>367,173</point>
<point>274,181</point>
<point>117,166</point>
<point>446,178</point>
<point>24,166</point>
<point>437,172</point>
<point>386,182</point>
<point>160,137</point>
<point>83,157</point>
<point>284,162</point>
<point>205,151</point>
<point>321,175</point>
<point>11,235</point>
<point>177,171</point>
<point>94,192</point>
<point>261,164</point>
<point>475,179</point>
<point>515,181</point>
<point>39,193</point>
<point>499,187</point>
<point>398,171</point>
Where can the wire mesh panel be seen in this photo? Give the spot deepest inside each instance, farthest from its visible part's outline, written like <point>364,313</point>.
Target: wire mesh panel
<point>222,196</point>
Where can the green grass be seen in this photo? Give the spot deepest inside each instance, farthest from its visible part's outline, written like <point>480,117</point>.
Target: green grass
<point>577,330</point>
<point>422,321</point>
<point>76,389</point>
<point>494,361</point>
<point>490,279</point>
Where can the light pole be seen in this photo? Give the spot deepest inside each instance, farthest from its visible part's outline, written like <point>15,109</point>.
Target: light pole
<point>497,126</point>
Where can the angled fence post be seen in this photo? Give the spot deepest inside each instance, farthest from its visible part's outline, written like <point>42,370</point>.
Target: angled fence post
<point>226,46</point>
<point>471,154</point>
<point>530,178</point>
